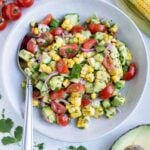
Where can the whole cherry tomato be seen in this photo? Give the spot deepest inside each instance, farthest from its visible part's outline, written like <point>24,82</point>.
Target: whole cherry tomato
<point>107,92</point>
<point>97,28</point>
<point>62,119</point>
<point>77,28</point>
<point>130,74</point>
<point>25,3</point>
<point>89,43</point>
<point>11,11</point>
<point>3,23</point>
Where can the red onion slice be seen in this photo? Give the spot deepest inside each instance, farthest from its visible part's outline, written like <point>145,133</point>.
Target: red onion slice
<point>63,100</point>
<point>87,50</point>
<point>109,46</point>
<point>39,58</point>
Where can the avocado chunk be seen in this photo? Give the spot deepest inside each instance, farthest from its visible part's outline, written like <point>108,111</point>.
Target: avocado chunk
<point>48,114</point>
<point>73,17</point>
<point>135,139</point>
<point>56,82</point>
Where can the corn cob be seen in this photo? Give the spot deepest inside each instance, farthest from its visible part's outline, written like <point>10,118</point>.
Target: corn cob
<point>143,6</point>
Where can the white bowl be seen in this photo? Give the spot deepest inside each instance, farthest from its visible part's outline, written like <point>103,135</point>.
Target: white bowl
<point>128,32</point>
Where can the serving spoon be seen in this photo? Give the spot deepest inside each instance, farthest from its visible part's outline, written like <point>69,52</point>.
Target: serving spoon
<point>27,128</point>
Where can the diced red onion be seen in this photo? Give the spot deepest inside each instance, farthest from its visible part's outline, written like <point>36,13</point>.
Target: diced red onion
<point>82,81</point>
<point>65,32</point>
<point>63,35</point>
<point>63,100</point>
<point>49,76</point>
<point>119,110</point>
<point>87,50</point>
<point>40,58</point>
<point>109,46</point>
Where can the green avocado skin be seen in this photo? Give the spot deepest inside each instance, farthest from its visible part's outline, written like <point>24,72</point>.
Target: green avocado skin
<point>138,135</point>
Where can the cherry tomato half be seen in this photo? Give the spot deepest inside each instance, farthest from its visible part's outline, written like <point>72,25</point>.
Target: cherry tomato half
<point>97,28</point>
<point>130,74</point>
<point>108,62</point>
<point>62,67</point>
<point>107,92</point>
<point>11,11</point>
<point>85,102</point>
<point>69,51</point>
<point>57,107</point>
<point>76,87</point>
<point>3,23</point>
<point>55,95</point>
<point>57,31</point>
<point>76,29</point>
<point>25,40</point>
<point>63,119</point>
<point>36,95</point>
<point>89,43</point>
<point>47,39</point>
<point>47,20</point>
<point>31,45</point>
<point>25,3</point>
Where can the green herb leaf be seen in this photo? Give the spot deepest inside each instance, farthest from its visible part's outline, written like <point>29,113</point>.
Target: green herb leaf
<point>8,140</point>
<point>18,133</point>
<point>81,148</point>
<point>72,148</point>
<point>6,125</point>
<point>54,23</point>
<point>69,50</point>
<point>75,73</point>
<point>40,146</point>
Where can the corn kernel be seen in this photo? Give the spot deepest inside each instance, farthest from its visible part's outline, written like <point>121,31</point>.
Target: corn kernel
<point>35,103</point>
<point>70,63</point>
<point>82,122</point>
<point>66,25</point>
<point>35,31</point>
<point>45,68</point>
<point>66,82</point>
<point>88,111</point>
<point>99,111</point>
<point>115,78</point>
<point>93,96</point>
<point>129,56</point>
<point>90,77</point>
<point>74,111</point>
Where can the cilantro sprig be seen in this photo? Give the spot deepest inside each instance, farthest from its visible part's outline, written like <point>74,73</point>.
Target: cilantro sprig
<point>6,126</point>
<point>77,148</point>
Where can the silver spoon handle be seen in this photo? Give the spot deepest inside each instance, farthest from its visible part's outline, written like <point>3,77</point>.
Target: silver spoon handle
<point>28,129</point>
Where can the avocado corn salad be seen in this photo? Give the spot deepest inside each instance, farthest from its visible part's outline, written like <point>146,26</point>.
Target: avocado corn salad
<point>77,70</point>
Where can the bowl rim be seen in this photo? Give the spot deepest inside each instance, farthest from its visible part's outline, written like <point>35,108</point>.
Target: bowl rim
<point>129,114</point>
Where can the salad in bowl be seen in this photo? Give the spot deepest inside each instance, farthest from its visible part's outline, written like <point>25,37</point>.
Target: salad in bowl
<point>77,70</point>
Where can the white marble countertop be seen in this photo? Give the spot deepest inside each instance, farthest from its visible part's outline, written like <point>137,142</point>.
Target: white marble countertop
<point>139,116</point>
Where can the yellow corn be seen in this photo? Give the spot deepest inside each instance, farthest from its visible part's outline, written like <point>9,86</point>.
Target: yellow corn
<point>143,6</point>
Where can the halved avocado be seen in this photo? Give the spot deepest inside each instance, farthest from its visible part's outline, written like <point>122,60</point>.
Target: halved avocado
<point>137,138</point>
